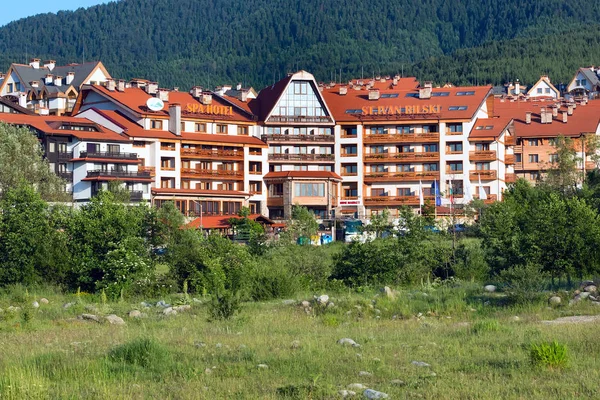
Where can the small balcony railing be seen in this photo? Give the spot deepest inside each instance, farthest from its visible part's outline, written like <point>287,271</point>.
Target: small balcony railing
<point>212,174</point>
<point>483,155</point>
<point>484,174</point>
<point>403,157</point>
<point>213,154</point>
<point>65,156</point>
<point>395,200</point>
<point>109,155</point>
<point>401,176</point>
<point>402,138</point>
<point>125,175</point>
<point>297,138</point>
<point>301,157</point>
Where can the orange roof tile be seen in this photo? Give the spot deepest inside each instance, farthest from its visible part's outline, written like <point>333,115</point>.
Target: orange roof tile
<point>222,221</point>
<point>50,124</point>
<point>585,119</point>
<point>303,174</point>
<point>340,105</point>
<point>489,127</point>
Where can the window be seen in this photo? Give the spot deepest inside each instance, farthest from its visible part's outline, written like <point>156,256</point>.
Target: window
<point>518,157</point>
<point>404,168</point>
<point>455,147</point>
<point>167,183</point>
<point>350,169</point>
<point>166,146</point>
<point>482,166</point>
<point>440,94</point>
<point>404,192</point>
<point>454,128</point>
<point>351,192</point>
<point>457,108</point>
<point>378,150</point>
<point>405,149</point>
<point>431,167</point>
<point>378,192</point>
<point>553,158</point>
<point>325,168</point>
<point>167,164</point>
<point>10,87</point>
<point>210,208</point>
<point>242,130</point>
<point>539,90</point>
<point>405,129</point>
<point>350,150</point>
<point>300,87</point>
<point>114,148</point>
<point>354,111</point>
<point>533,158</point>
<point>183,127</point>
<point>300,167</point>
<point>430,148</point>
<point>185,184</point>
<point>62,167</point>
<point>309,189</point>
<point>469,93</point>
<point>552,142</point>
<point>156,124</point>
<point>52,166</point>
<point>547,90</point>
<point>139,144</point>
<point>51,147</point>
<point>534,176</point>
<point>349,131</point>
<point>378,168</point>
<point>455,166</point>
<point>482,146</point>
<point>389,95</point>
<point>583,82</point>
<point>276,190</point>
<point>379,130</point>
<point>231,207</point>
<point>221,128</point>
<point>533,142</point>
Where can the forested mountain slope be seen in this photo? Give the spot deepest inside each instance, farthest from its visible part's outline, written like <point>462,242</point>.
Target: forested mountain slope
<point>208,42</point>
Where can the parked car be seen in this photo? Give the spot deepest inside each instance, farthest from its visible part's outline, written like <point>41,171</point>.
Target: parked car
<point>457,228</point>
<point>431,228</point>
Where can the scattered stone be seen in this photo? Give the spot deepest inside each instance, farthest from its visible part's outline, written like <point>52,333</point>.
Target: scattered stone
<point>296,344</point>
<point>554,300</point>
<point>433,374</point>
<point>389,293</point>
<point>472,309</point>
<point>91,309</point>
<point>397,382</point>
<point>242,347</point>
<point>364,373</point>
<point>68,305</point>
<point>489,288</point>
<point>596,303</point>
<point>35,304</point>
<point>208,371</point>
<point>162,304</point>
<point>573,320</point>
<point>374,394</point>
<point>305,304</point>
<point>585,284</point>
<point>200,344</point>
<point>182,308</point>
<point>145,304</point>
<point>331,304</point>
<point>377,359</point>
<point>197,301</point>
<point>356,386</point>
<point>590,289</point>
<point>169,311</point>
<point>44,300</point>
<point>516,318</point>
<point>322,299</point>
<point>218,345</point>
<point>377,311</point>
<point>13,309</point>
<point>135,314</point>
<point>346,393</point>
<point>593,298</point>
<point>420,364</point>
<point>89,317</point>
<point>289,302</point>
<point>262,366</point>
<point>114,320</point>
<point>349,342</point>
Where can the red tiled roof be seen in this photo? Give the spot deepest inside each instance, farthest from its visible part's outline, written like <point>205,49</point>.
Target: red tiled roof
<point>585,119</point>
<point>489,127</point>
<point>200,192</point>
<point>357,99</point>
<point>267,97</point>
<point>222,221</point>
<point>302,174</point>
<point>132,129</point>
<point>49,125</point>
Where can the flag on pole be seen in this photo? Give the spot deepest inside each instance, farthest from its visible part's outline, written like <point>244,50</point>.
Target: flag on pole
<point>436,192</point>
<point>468,193</point>
<point>482,193</point>
<point>421,197</point>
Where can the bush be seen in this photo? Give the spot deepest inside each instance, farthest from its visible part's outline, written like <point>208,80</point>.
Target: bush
<point>266,283</point>
<point>224,304</point>
<point>471,264</point>
<point>524,284</point>
<point>490,325</point>
<point>312,265</point>
<point>553,355</point>
<point>142,352</point>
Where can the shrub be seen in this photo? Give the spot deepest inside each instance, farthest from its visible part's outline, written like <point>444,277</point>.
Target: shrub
<point>266,283</point>
<point>470,262</point>
<point>142,352</point>
<point>224,304</point>
<point>524,284</point>
<point>490,325</point>
<point>553,355</point>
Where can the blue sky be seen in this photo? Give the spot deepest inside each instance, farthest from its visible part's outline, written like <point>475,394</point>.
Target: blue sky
<point>14,9</point>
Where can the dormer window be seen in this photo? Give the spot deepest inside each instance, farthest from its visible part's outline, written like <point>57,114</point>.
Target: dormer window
<point>156,124</point>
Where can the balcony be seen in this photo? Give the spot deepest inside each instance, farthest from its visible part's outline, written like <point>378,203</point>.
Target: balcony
<point>109,155</point>
<point>509,159</point>
<point>298,138</point>
<point>116,174</point>
<point>485,174</point>
<point>212,154</point>
<point>403,138</point>
<point>67,176</point>
<point>402,157</point>
<point>65,156</point>
<point>482,155</point>
<point>401,176</point>
<point>136,196</point>
<point>348,154</point>
<point>301,157</point>
<point>344,173</point>
<point>518,149</point>
<point>510,178</point>
<point>509,140</point>
<point>301,119</point>
<point>212,174</point>
<point>491,198</point>
<point>150,170</point>
<point>395,200</point>
<point>589,165</point>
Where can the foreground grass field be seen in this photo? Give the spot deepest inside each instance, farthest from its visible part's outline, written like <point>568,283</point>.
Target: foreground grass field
<point>476,348</point>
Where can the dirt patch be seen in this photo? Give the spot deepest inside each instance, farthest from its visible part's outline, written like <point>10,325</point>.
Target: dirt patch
<point>579,319</point>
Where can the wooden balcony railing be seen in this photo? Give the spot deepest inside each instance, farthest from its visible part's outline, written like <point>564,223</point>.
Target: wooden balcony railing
<point>518,149</point>
<point>509,140</point>
<point>349,173</point>
<point>589,165</point>
<point>485,174</point>
<point>491,198</point>
<point>394,200</point>
<point>150,170</point>
<point>402,157</point>
<point>108,155</point>
<point>509,159</point>
<point>212,174</point>
<point>298,138</point>
<point>124,175</point>
<point>482,155</point>
<point>167,148</point>
<point>300,119</point>
<point>212,154</point>
<point>301,157</point>
<point>402,138</point>
<point>401,176</point>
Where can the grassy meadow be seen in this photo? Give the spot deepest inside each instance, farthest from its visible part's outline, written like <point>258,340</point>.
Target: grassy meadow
<point>475,346</point>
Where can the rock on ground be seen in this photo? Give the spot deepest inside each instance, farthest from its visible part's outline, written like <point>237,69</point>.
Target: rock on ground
<point>288,302</point>
<point>68,305</point>
<point>35,304</point>
<point>573,320</point>
<point>397,382</point>
<point>389,293</point>
<point>554,300</point>
<point>420,364</point>
<point>346,393</point>
<point>305,304</point>
<point>489,288</point>
<point>182,308</point>
<point>169,311</point>
<point>135,314</point>
<point>356,386</point>
<point>349,342</point>
<point>262,366</point>
<point>590,289</point>
<point>89,317</point>
<point>374,394</point>
<point>114,320</point>
<point>44,300</point>
<point>364,373</point>
<point>323,299</point>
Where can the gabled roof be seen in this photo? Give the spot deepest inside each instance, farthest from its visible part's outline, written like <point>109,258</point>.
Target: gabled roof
<point>28,74</point>
<point>490,128</point>
<point>50,126</point>
<point>543,79</point>
<point>17,108</point>
<point>222,221</point>
<point>590,75</point>
<point>302,175</point>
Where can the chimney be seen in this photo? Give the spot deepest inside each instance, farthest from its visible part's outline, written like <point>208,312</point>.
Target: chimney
<point>517,88</point>
<point>110,85</point>
<point>238,87</point>
<point>206,98</point>
<point>528,117</point>
<point>175,119</point>
<point>48,79</point>
<point>34,84</point>
<point>425,90</point>
<point>570,109</point>
<point>50,64</point>
<point>35,63</point>
<point>152,88</point>
<point>343,90</point>
<point>554,111</point>
<point>549,118</point>
<point>121,85</point>
<point>374,94</point>
<point>244,95</point>
<point>543,116</point>
<point>196,92</point>
<point>70,77</point>
<point>163,94</point>
<point>176,89</point>
<point>58,81</point>
<point>564,117</point>
<point>395,81</point>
